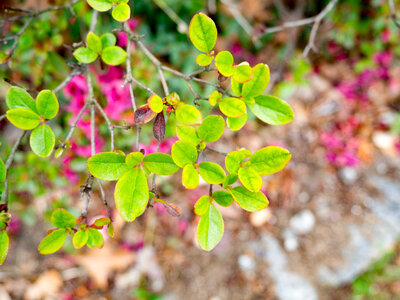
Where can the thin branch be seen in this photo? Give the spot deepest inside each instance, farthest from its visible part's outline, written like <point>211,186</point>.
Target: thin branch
<point>182,26</point>
<point>104,199</point>
<point>216,151</point>
<point>393,14</point>
<point>2,117</point>
<point>73,126</point>
<point>129,69</point>
<point>64,83</point>
<point>109,124</point>
<point>16,37</point>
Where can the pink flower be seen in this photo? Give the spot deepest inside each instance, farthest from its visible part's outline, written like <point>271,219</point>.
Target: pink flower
<point>122,38</point>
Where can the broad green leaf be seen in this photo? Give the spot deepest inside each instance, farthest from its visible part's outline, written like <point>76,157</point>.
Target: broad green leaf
<point>61,218</point>
<point>156,103</point>
<point>204,60</point>
<point>224,63</point>
<point>42,140</point>
<point>80,238</point>
<point>47,104</point>
<point>4,243</point>
<point>249,201</point>
<point>203,32</point>
<point>23,118</point>
<point>257,85</point>
<point>242,73</point>
<point>236,124</point>
<point>94,42</point>
<point>223,198</point>
<point>189,115</point>
<point>100,5</point>
<point>214,98</point>
<point>107,165</point>
<point>232,107</point>
<point>133,159</point>
<point>211,172</point>
<point>210,228</point>
<point>85,55</point>
<point>19,98</point>
<point>190,177</point>
<point>272,110</point>
<point>121,12</point>
<point>107,40</point>
<point>229,180</point>
<point>183,153</point>
<point>3,171</point>
<point>211,129</point>
<point>94,238</point>
<point>234,159</point>
<point>236,87</point>
<point>160,164</point>
<point>250,179</point>
<point>53,242</point>
<point>131,194</point>
<point>269,160</point>
<point>202,204</point>
<point>113,55</point>
<point>187,134</point>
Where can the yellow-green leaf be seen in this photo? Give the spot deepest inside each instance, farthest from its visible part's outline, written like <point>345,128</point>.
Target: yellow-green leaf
<point>47,104</point>
<point>210,228</point>
<point>203,32</point>
<point>190,177</point>
<point>204,59</point>
<point>224,63</point>
<point>248,200</point>
<point>250,179</point>
<point>160,163</point>
<point>42,140</point>
<point>189,115</point>
<point>156,103</point>
<point>4,243</point>
<point>121,12</point>
<point>202,204</point>
<point>236,124</point>
<point>23,118</point>
<point>257,85</point>
<point>80,238</point>
<point>107,165</point>
<point>53,242</point>
<point>19,98</point>
<point>269,160</point>
<point>242,73</point>
<point>183,153</point>
<point>211,129</point>
<point>232,107</point>
<point>272,110</point>
<point>211,172</point>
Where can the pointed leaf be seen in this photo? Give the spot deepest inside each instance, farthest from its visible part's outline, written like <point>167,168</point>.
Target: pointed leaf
<point>160,164</point>
<point>249,201</point>
<point>53,242</point>
<point>23,118</point>
<point>107,165</point>
<point>211,129</point>
<point>272,110</point>
<point>203,32</point>
<point>42,140</point>
<point>61,218</point>
<point>212,172</point>
<point>19,98</point>
<point>269,160</point>
<point>210,229</point>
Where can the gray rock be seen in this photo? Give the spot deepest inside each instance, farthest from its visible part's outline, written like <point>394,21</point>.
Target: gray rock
<point>303,222</point>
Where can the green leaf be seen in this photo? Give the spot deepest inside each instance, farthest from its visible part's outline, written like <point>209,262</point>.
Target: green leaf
<point>121,12</point>
<point>190,177</point>
<point>131,194</point>
<point>232,107</point>
<point>4,243</point>
<point>113,55</point>
<point>133,159</point>
<point>234,159</point>
<point>236,87</point>
<point>80,238</point>
<point>187,134</point>
<point>85,55</point>
<point>53,242</point>
<point>93,42</point>
<point>19,98</point>
<point>3,171</point>
<point>156,103</point>
<point>204,60</point>
<point>101,222</point>
<point>61,218</point>
<point>183,153</point>
<point>107,165</point>
<point>214,98</point>
<point>47,104</point>
<point>94,238</point>
<point>107,40</point>
<point>210,228</point>
<point>211,129</point>
<point>203,32</point>
<point>100,5</point>
<point>236,124</point>
<point>23,118</point>
<point>242,73</point>
<point>257,85</point>
<point>249,201</point>
<point>211,172</point>
<point>42,140</point>
<point>250,179</point>
<point>224,63</point>
<point>189,115</point>
<point>223,198</point>
<point>229,180</point>
<point>272,110</point>
<point>160,164</point>
<point>269,160</point>
<point>202,205</point>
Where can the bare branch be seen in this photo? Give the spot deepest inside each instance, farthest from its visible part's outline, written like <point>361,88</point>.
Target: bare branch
<point>216,151</point>
<point>393,14</point>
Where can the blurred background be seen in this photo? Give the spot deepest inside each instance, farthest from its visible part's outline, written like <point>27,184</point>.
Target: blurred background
<point>333,224</point>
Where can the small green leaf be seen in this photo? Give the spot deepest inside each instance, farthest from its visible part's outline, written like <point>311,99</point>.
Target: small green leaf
<point>107,165</point>
<point>242,73</point>
<point>211,172</point>
<point>272,110</point>
<point>249,201</point>
<point>229,180</point>
<point>202,205</point>
<point>204,60</point>
<point>61,218</point>
<point>257,85</point>
<point>19,98</point>
<point>211,129</point>
<point>236,87</point>
<point>187,134</point>
<point>100,5</point>
<point>131,194</point>
<point>190,177</point>
<point>183,153</point>
<point>101,222</point>
<point>42,140</point>
<point>3,171</point>
<point>53,242</point>
<point>156,103</point>
<point>23,118</point>
<point>47,104</point>
<point>269,160</point>
<point>250,179</point>
<point>214,98</point>
<point>160,164</point>
<point>203,32</point>
<point>224,63</point>
<point>210,228</point>
<point>232,107</point>
<point>4,243</point>
<point>94,238</point>
<point>80,238</point>
<point>113,55</point>
<point>59,152</point>
<point>133,159</point>
<point>85,55</point>
<point>94,42</point>
<point>189,115</point>
<point>223,198</point>
<point>234,159</point>
<point>107,40</point>
<point>236,124</point>
<point>121,12</point>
